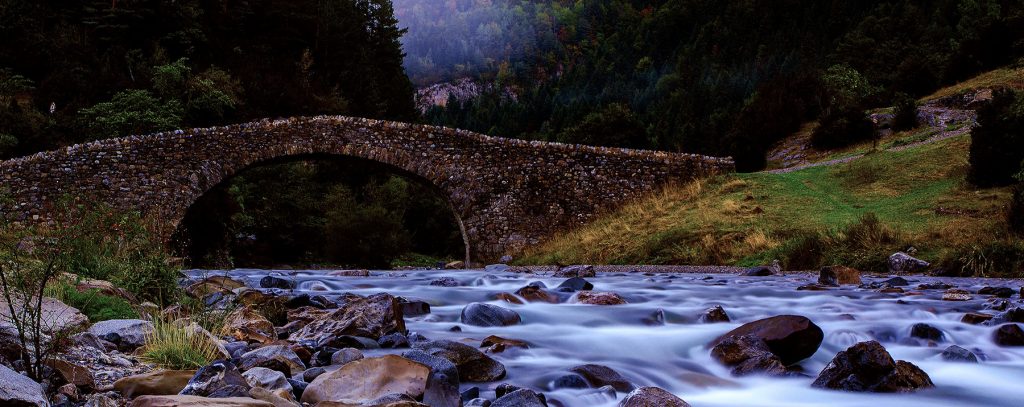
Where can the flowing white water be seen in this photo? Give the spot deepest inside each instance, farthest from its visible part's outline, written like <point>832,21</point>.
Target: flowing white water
<point>673,356</point>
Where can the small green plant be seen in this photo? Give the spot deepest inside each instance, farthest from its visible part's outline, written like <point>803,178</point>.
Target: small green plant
<point>92,303</point>
<point>172,346</point>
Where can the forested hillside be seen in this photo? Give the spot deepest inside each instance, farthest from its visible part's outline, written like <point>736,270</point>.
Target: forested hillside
<point>724,78</point>
<point>72,72</point>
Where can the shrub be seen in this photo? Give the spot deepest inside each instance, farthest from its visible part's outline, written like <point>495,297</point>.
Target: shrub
<point>905,116</point>
<point>997,144</point>
<point>92,303</point>
<point>999,258</point>
<point>1015,212</point>
<point>172,346</point>
<point>841,128</point>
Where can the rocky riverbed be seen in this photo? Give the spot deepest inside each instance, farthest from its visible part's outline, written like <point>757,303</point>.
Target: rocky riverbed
<point>572,346</point>
<point>568,337</point>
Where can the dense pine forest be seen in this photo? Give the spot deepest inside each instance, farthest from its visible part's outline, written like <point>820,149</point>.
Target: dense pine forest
<point>721,78</point>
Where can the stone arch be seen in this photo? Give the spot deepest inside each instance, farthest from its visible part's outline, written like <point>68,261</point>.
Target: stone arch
<point>215,174</point>
<point>507,194</point>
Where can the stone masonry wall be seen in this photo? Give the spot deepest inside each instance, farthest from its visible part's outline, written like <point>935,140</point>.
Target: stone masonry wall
<point>506,193</point>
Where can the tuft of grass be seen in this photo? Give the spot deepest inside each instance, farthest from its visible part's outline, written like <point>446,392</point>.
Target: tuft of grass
<point>176,347</point>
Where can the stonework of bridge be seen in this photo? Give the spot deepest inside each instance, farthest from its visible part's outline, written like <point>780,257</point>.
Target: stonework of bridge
<point>505,193</point>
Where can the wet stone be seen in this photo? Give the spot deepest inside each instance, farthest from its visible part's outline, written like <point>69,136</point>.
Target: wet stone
<point>975,318</point>
<point>956,294</point>
<point>999,292</point>
<point>714,314</point>
<point>1009,335</point>
<point>481,314</point>
<point>925,331</point>
<point>955,353</point>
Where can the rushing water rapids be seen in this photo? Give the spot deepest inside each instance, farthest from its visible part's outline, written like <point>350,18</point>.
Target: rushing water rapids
<point>673,356</point>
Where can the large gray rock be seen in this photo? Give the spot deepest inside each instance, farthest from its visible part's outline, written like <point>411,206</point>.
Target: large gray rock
<point>652,397</point>
<point>472,365</point>
<point>127,334</point>
<point>268,379</point>
<point>481,314</point>
<point>370,317</point>
<point>519,398</point>
<point>220,378</point>
<point>900,262</point>
<point>56,316</point>
<point>277,357</point>
<point>19,391</point>
<point>581,271</point>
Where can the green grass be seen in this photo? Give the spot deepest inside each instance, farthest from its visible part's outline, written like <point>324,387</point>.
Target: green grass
<point>1007,77</point>
<point>746,219</point>
<point>92,303</point>
<point>176,347</point>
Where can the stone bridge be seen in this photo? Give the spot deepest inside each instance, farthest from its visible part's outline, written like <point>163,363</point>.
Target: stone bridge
<point>506,194</point>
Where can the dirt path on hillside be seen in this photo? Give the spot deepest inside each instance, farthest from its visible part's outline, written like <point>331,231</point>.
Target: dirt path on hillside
<point>948,122</point>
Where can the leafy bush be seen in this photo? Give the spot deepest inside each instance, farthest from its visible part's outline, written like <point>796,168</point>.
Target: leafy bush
<point>131,112</point>
<point>106,244</point>
<point>614,126</point>
<point>997,144</point>
<point>1015,212</point>
<point>172,346</point>
<point>842,127</point>
<point>905,115</point>
<point>92,303</point>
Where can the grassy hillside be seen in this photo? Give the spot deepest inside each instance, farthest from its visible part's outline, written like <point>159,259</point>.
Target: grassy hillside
<point>854,213</point>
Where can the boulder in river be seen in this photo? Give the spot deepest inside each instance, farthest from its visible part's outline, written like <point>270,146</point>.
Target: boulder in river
<point>652,397</point>
<point>790,337</point>
<point>574,284</point>
<point>582,271</point>
<point>975,318</point>
<point>371,317</point>
<point>438,365</point>
<point>368,379</point>
<point>763,271</point>
<point>445,282</point>
<point>868,367</point>
<point>746,355</point>
<point>520,398</point>
<point>999,292</point>
<point>714,314</point>
<point>497,344</point>
<point>481,314</point>
<point>536,293</point>
<point>276,282</point>
<point>18,390</point>
<point>600,375</point>
<point>597,298</point>
<point>925,331</point>
<point>472,365</point>
<point>838,275</point>
<point>958,354</point>
<point>901,262</point>
<point>956,294</point>
<point>1008,335</point>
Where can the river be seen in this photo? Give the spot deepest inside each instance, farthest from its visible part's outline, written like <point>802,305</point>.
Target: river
<point>673,355</point>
